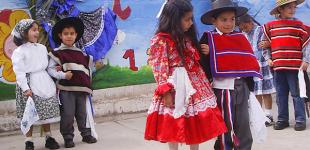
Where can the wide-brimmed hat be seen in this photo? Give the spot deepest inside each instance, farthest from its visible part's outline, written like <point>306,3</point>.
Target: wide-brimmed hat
<point>281,3</point>
<point>71,21</point>
<point>218,6</point>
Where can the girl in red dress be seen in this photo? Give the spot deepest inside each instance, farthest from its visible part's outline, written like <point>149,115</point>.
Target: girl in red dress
<point>183,109</point>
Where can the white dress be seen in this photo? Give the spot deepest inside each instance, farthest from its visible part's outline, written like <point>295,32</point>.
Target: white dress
<point>30,61</point>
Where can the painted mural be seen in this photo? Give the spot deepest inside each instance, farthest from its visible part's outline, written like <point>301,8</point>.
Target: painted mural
<point>122,39</point>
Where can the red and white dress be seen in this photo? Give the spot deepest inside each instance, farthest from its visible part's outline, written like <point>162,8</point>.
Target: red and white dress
<point>195,117</point>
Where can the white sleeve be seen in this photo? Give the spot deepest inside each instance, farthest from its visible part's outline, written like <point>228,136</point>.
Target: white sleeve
<point>53,72</point>
<point>19,69</point>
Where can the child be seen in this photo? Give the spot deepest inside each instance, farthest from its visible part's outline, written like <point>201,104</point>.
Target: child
<point>74,81</point>
<point>229,57</point>
<point>288,37</point>
<point>30,61</point>
<point>263,88</point>
<point>183,109</point>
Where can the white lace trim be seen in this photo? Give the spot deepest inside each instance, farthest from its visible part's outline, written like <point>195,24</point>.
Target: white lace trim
<point>191,109</point>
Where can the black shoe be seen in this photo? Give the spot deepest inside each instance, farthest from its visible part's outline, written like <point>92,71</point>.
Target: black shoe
<point>29,145</point>
<point>69,144</point>
<point>280,125</point>
<point>51,143</point>
<point>89,139</point>
<point>300,126</point>
<point>269,121</point>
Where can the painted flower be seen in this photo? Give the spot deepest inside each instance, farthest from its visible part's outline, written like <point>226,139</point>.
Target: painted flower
<point>7,23</point>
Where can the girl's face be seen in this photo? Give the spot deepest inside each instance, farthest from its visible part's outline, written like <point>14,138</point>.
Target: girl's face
<point>33,33</point>
<point>187,21</point>
<point>225,22</point>
<point>246,26</point>
<point>288,11</point>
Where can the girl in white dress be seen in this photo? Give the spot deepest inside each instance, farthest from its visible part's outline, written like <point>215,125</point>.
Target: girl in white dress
<point>30,61</point>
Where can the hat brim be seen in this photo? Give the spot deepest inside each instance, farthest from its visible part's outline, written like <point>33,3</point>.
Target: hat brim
<point>275,11</point>
<point>206,18</point>
<point>72,21</point>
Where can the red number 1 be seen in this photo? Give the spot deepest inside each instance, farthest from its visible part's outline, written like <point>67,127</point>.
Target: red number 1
<point>131,55</point>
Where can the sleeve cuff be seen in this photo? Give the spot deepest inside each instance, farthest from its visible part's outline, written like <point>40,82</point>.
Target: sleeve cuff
<point>24,87</point>
<point>163,88</point>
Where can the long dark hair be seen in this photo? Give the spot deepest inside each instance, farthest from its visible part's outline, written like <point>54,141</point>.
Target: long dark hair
<point>170,22</point>
<point>24,36</point>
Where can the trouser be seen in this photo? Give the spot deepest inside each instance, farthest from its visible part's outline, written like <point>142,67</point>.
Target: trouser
<point>287,81</point>
<point>234,107</point>
<point>73,104</point>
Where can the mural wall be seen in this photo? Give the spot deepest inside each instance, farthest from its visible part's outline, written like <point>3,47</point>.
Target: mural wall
<point>125,63</point>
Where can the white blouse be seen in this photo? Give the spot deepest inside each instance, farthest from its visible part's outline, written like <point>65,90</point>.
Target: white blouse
<point>32,58</point>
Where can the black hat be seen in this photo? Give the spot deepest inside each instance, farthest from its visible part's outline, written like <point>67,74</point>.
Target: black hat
<point>221,5</point>
<point>72,21</point>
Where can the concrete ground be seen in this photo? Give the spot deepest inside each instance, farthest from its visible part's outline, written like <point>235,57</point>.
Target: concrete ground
<point>127,134</point>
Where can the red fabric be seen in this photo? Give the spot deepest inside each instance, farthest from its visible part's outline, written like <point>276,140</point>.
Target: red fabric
<point>288,37</point>
<point>192,130</point>
<point>202,120</point>
<point>163,88</point>
<point>232,56</point>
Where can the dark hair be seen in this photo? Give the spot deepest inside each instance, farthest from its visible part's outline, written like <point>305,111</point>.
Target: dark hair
<point>24,36</point>
<point>170,22</point>
<point>244,19</point>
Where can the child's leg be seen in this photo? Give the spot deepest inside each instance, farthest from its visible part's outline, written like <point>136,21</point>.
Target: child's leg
<point>28,141</point>
<point>29,133</point>
<point>224,141</point>
<point>194,147</point>
<point>173,146</point>
<point>282,95</point>
<point>268,104</point>
<point>50,142</point>
<point>260,99</point>
<point>81,114</point>
<point>67,112</point>
<point>299,104</point>
<point>241,117</point>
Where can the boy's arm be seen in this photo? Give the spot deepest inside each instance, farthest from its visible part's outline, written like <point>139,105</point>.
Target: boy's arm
<point>52,71</point>
<point>266,51</point>
<point>205,59</point>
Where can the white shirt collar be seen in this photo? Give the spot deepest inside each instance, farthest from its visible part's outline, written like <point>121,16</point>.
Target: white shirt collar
<point>219,32</point>
<point>63,46</point>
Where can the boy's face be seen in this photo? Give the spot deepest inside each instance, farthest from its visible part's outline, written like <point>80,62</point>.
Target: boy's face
<point>225,22</point>
<point>33,33</point>
<point>246,26</point>
<point>68,36</point>
<point>288,11</point>
<point>187,21</point>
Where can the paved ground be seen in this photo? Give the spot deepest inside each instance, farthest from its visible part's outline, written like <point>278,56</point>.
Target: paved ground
<point>128,135</point>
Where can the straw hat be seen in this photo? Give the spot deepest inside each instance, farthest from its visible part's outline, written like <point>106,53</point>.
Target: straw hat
<point>279,3</point>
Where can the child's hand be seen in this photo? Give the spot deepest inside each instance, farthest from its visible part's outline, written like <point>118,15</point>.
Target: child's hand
<point>69,75</point>
<point>205,49</point>
<point>28,93</point>
<point>58,68</point>
<point>264,44</point>
<point>304,66</point>
<point>168,100</point>
<point>270,63</point>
